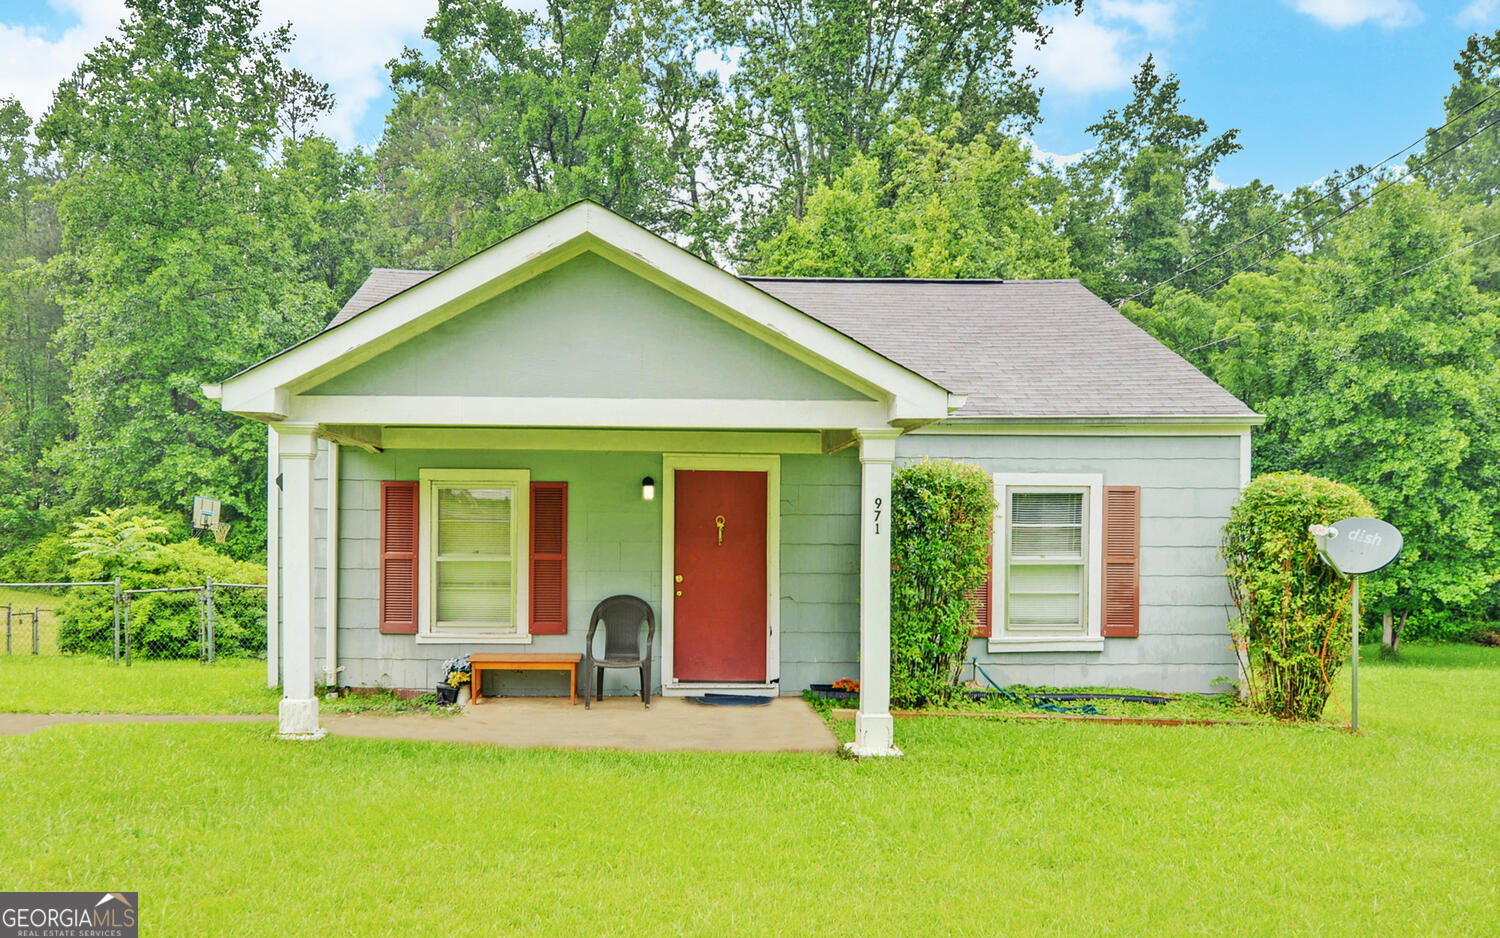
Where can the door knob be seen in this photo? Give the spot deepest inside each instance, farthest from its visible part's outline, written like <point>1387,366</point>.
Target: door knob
<point>679,578</point>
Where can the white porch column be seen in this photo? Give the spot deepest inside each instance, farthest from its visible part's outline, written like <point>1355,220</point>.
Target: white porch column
<point>874,734</point>
<point>298,713</point>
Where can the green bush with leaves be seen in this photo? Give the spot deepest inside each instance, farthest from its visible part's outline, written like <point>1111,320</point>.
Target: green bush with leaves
<point>941,516</point>
<point>1289,625</point>
<point>131,543</point>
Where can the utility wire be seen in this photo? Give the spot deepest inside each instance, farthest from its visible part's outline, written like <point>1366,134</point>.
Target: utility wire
<point>1160,314</point>
<point>1362,290</point>
<point>1405,173</point>
<point>1322,198</point>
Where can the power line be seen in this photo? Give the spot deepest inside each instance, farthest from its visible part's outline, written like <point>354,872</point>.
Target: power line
<point>1158,315</point>
<point>1362,290</point>
<point>1322,198</point>
<point>1354,205</point>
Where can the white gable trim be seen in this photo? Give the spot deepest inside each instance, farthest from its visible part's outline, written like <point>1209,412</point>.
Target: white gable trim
<point>268,390</point>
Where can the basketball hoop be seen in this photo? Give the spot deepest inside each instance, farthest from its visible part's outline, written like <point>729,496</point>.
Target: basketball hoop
<point>205,513</point>
<point>221,531</point>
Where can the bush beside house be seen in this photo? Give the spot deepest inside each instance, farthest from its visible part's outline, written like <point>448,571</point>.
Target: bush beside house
<point>942,515</point>
<point>1292,606</point>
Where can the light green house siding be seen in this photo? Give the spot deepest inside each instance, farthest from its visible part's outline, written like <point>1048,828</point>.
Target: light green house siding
<point>1188,484</point>
<point>614,546</point>
<point>588,329</point>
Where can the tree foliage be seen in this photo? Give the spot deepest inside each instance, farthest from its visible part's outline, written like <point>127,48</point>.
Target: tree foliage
<point>818,84</point>
<point>184,251</point>
<point>932,207</point>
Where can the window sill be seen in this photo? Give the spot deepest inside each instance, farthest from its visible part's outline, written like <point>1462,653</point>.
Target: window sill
<point>1089,643</point>
<point>479,638</point>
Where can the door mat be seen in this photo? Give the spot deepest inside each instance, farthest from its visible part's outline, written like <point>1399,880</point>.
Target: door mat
<point>730,700</point>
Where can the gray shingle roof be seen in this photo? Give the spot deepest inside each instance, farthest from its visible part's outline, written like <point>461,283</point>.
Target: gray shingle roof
<point>1021,348</point>
<point>382,284</point>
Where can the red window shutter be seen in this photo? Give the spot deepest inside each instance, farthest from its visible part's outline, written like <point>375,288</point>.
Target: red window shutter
<point>1122,561</point>
<point>549,558</point>
<point>398,558</point>
<point>979,599</point>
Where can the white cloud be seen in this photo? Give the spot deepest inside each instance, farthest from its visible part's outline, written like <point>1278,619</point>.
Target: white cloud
<point>1158,19</point>
<point>1479,13</point>
<point>347,45</point>
<point>343,43</point>
<point>1058,161</point>
<point>32,62</point>
<point>1337,14</point>
<point>1099,49</point>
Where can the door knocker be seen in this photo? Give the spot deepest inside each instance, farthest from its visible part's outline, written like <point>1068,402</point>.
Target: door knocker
<point>719,523</point>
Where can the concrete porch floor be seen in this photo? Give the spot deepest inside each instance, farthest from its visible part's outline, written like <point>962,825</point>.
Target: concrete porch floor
<point>786,725</point>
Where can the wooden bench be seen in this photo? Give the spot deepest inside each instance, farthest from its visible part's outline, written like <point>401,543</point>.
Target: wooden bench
<point>478,664</point>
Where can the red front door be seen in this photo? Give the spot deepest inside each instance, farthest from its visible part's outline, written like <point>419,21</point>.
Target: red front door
<point>719,616</point>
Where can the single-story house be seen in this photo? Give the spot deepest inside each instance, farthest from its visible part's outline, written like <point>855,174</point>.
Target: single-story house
<point>469,460</point>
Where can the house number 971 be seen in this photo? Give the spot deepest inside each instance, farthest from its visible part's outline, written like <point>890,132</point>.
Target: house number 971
<point>878,503</point>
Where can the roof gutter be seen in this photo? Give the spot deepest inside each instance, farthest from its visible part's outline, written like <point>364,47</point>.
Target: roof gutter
<point>1119,425</point>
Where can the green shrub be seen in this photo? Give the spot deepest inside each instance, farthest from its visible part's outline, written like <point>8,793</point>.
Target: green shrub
<point>942,513</point>
<point>44,561</point>
<point>163,625</point>
<point>1289,600</point>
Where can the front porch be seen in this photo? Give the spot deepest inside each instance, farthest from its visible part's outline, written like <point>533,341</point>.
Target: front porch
<point>824,596</point>
<point>785,724</point>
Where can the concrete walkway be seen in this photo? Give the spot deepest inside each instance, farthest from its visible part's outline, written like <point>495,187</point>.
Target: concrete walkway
<point>787,724</point>
<point>672,724</point>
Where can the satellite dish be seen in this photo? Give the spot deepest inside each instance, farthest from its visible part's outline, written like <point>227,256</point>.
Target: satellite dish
<point>1357,546</point>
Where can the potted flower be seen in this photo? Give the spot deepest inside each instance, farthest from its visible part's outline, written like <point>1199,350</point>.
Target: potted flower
<point>845,688</point>
<point>456,677</point>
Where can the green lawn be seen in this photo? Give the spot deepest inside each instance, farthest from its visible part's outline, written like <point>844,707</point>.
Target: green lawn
<point>83,684</point>
<point>28,601</point>
<point>987,827</point>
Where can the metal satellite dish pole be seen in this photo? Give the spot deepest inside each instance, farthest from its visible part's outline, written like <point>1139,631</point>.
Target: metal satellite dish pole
<point>1354,547</point>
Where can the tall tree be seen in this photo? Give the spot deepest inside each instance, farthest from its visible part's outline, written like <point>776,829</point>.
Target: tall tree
<point>818,83</point>
<point>520,113</point>
<point>1469,176</point>
<point>1131,196</point>
<point>936,208</point>
<point>1375,365</point>
<point>33,382</point>
<point>179,267</point>
<point>1472,171</point>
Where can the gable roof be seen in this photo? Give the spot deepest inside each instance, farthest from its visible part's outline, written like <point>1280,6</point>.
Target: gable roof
<point>1020,348</point>
<point>276,389</point>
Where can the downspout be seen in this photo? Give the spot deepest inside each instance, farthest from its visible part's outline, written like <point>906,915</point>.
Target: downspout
<point>273,559</point>
<point>331,590</point>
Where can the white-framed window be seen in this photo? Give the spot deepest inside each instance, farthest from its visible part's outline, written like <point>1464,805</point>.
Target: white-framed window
<point>1048,558</point>
<point>474,532</point>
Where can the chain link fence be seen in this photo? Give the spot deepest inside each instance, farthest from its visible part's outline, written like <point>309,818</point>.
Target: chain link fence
<point>102,620</point>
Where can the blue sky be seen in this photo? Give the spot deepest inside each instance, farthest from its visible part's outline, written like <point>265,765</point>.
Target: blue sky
<point>1313,85</point>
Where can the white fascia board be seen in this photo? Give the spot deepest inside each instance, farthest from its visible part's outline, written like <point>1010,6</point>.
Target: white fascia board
<point>585,227</point>
<point>673,413</point>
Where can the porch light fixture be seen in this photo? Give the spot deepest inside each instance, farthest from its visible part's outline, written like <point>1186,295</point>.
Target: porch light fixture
<point>648,488</point>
